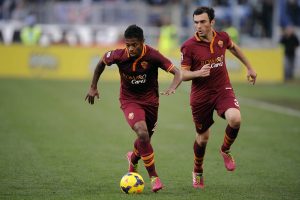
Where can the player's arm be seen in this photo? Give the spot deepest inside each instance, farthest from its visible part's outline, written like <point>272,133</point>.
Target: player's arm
<point>186,62</point>
<point>237,52</point>
<point>93,91</point>
<point>188,75</point>
<point>177,79</point>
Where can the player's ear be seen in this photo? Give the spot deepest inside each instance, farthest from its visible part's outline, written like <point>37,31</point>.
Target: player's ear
<point>213,22</point>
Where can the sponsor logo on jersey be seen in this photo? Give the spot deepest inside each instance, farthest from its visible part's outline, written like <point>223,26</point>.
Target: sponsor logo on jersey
<point>214,62</point>
<point>135,80</point>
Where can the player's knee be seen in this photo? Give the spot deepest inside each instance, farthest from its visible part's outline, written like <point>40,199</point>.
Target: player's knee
<point>144,137</point>
<point>235,121</point>
<point>202,142</point>
<point>142,132</point>
<point>202,138</point>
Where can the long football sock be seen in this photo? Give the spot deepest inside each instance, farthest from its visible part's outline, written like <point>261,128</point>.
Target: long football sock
<point>146,151</point>
<point>135,157</point>
<point>199,152</point>
<point>230,136</point>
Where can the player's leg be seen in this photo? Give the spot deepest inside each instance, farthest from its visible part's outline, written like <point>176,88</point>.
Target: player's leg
<point>233,117</point>
<point>144,146</point>
<point>133,113</point>
<point>133,158</point>
<point>199,152</point>
<point>227,107</point>
<point>203,120</point>
<point>147,154</point>
<point>151,113</point>
<point>142,119</point>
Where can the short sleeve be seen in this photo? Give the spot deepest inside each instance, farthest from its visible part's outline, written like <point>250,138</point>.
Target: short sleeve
<point>229,42</point>
<point>163,62</point>
<point>110,57</point>
<point>186,58</point>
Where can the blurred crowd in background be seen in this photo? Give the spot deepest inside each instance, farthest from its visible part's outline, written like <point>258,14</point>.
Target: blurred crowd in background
<point>166,23</point>
<point>92,22</point>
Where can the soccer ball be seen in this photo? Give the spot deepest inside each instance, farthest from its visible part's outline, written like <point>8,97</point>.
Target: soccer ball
<point>132,183</point>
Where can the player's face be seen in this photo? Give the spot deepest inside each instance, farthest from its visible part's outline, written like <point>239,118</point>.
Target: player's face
<point>134,46</point>
<point>202,24</point>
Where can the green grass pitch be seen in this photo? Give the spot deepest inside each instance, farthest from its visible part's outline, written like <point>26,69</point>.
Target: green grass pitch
<point>53,145</point>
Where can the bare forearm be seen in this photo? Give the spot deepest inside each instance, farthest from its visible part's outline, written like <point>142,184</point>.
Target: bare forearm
<point>177,78</point>
<point>97,73</point>
<point>188,75</point>
<point>251,74</point>
<point>237,52</point>
<point>203,72</point>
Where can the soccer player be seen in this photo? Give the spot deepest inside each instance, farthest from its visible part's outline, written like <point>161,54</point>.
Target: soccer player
<point>203,62</point>
<point>138,66</point>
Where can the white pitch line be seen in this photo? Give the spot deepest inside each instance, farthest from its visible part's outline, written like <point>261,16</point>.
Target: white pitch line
<point>270,107</point>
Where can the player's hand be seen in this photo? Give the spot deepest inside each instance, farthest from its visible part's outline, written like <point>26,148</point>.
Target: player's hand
<point>168,92</point>
<point>204,71</point>
<point>251,76</point>
<point>91,95</point>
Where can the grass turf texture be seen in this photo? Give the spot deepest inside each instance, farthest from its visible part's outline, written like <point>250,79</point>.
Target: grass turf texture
<point>53,145</point>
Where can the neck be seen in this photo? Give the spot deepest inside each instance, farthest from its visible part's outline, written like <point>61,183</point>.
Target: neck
<point>208,37</point>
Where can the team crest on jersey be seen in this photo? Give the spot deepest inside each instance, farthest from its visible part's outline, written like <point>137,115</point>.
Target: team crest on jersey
<point>144,64</point>
<point>131,115</point>
<point>220,43</point>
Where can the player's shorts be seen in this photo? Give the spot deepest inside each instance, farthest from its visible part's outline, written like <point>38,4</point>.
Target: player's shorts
<point>204,108</point>
<point>135,112</point>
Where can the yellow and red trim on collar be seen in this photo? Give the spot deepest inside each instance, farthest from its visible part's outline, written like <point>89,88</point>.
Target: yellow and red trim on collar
<point>211,42</point>
<point>136,61</point>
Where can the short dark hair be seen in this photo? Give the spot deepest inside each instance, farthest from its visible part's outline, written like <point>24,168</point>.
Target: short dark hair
<point>210,12</point>
<point>133,31</point>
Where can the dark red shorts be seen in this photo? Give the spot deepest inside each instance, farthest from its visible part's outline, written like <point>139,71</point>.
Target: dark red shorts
<point>204,108</point>
<point>135,112</point>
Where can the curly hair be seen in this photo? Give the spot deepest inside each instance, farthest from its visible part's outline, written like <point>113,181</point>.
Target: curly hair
<point>133,31</point>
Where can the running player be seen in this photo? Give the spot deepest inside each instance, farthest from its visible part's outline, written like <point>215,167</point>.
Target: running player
<point>138,66</point>
<point>203,62</point>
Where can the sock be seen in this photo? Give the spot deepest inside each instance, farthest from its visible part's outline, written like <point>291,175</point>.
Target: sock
<point>230,135</point>
<point>146,151</point>
<point>135,157</point>
<point>199,152</point>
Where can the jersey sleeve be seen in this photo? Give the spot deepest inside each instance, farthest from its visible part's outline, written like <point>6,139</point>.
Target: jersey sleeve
<point>163,62</point>
<point>186,58</point>
<point>229,42</point>
<point>111,57</point>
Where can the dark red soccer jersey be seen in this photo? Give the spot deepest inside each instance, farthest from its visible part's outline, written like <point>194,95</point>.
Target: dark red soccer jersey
<point>196,53</point>
<point>138,75</point>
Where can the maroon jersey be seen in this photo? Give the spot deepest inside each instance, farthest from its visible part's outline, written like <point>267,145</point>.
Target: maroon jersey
<point>138,75</point>
<point>196,53</point>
